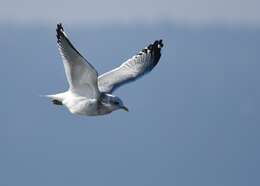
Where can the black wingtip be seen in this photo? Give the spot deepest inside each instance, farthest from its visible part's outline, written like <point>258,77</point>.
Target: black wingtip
<point>59,31</point>
<point>155,47</point>
<point>160,43</point>
<point>59,26</point>
<point>156,50</point>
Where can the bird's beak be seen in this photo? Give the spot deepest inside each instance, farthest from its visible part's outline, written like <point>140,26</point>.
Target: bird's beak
<point>125,108</point>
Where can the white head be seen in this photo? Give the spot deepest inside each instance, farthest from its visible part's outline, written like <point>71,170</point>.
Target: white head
<point>116,103</point>
<point>113,102</point>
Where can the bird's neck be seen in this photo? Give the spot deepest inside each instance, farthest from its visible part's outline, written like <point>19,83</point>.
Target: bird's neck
<point>105,98</point>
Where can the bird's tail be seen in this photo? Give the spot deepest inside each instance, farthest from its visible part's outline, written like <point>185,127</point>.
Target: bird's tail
<point>57,99</point>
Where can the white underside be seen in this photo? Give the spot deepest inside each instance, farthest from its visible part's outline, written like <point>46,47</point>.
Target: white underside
<point>77,104</point>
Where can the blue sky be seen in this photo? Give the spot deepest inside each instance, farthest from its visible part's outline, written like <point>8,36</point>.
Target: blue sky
<point>194,120</point>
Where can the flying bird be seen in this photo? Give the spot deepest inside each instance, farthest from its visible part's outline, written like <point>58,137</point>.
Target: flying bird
<point>90,94</point>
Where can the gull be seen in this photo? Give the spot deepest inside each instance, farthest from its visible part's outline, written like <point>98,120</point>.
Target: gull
<point>90,94</point>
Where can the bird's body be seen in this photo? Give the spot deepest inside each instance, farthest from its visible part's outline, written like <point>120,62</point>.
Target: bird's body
<point>90,94</point>
<point>82,105</point>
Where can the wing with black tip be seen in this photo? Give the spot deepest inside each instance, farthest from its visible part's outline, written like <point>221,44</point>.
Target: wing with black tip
<point>81,75</point>
<point>132,69</point>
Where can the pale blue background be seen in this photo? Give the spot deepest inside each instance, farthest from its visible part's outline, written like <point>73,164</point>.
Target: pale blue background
<point>193,121</point>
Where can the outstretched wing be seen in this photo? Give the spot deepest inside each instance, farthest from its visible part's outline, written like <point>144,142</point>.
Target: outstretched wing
<point>81,75</point>
<point>132,69</point>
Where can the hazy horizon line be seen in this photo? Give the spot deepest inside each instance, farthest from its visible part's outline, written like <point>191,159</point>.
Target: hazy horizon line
<point>79,24</point>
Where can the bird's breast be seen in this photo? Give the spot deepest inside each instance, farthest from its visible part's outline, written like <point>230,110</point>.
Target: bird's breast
<point>82,106</point>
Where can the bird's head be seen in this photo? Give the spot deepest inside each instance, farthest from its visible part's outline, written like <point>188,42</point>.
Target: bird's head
<point>117,103</point>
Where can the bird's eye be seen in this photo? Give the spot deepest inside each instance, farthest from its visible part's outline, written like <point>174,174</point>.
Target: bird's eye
<point>116,102</point>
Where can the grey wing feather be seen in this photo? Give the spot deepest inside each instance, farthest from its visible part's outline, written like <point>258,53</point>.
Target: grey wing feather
<point>132,69</point>
<point>81,75</point>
